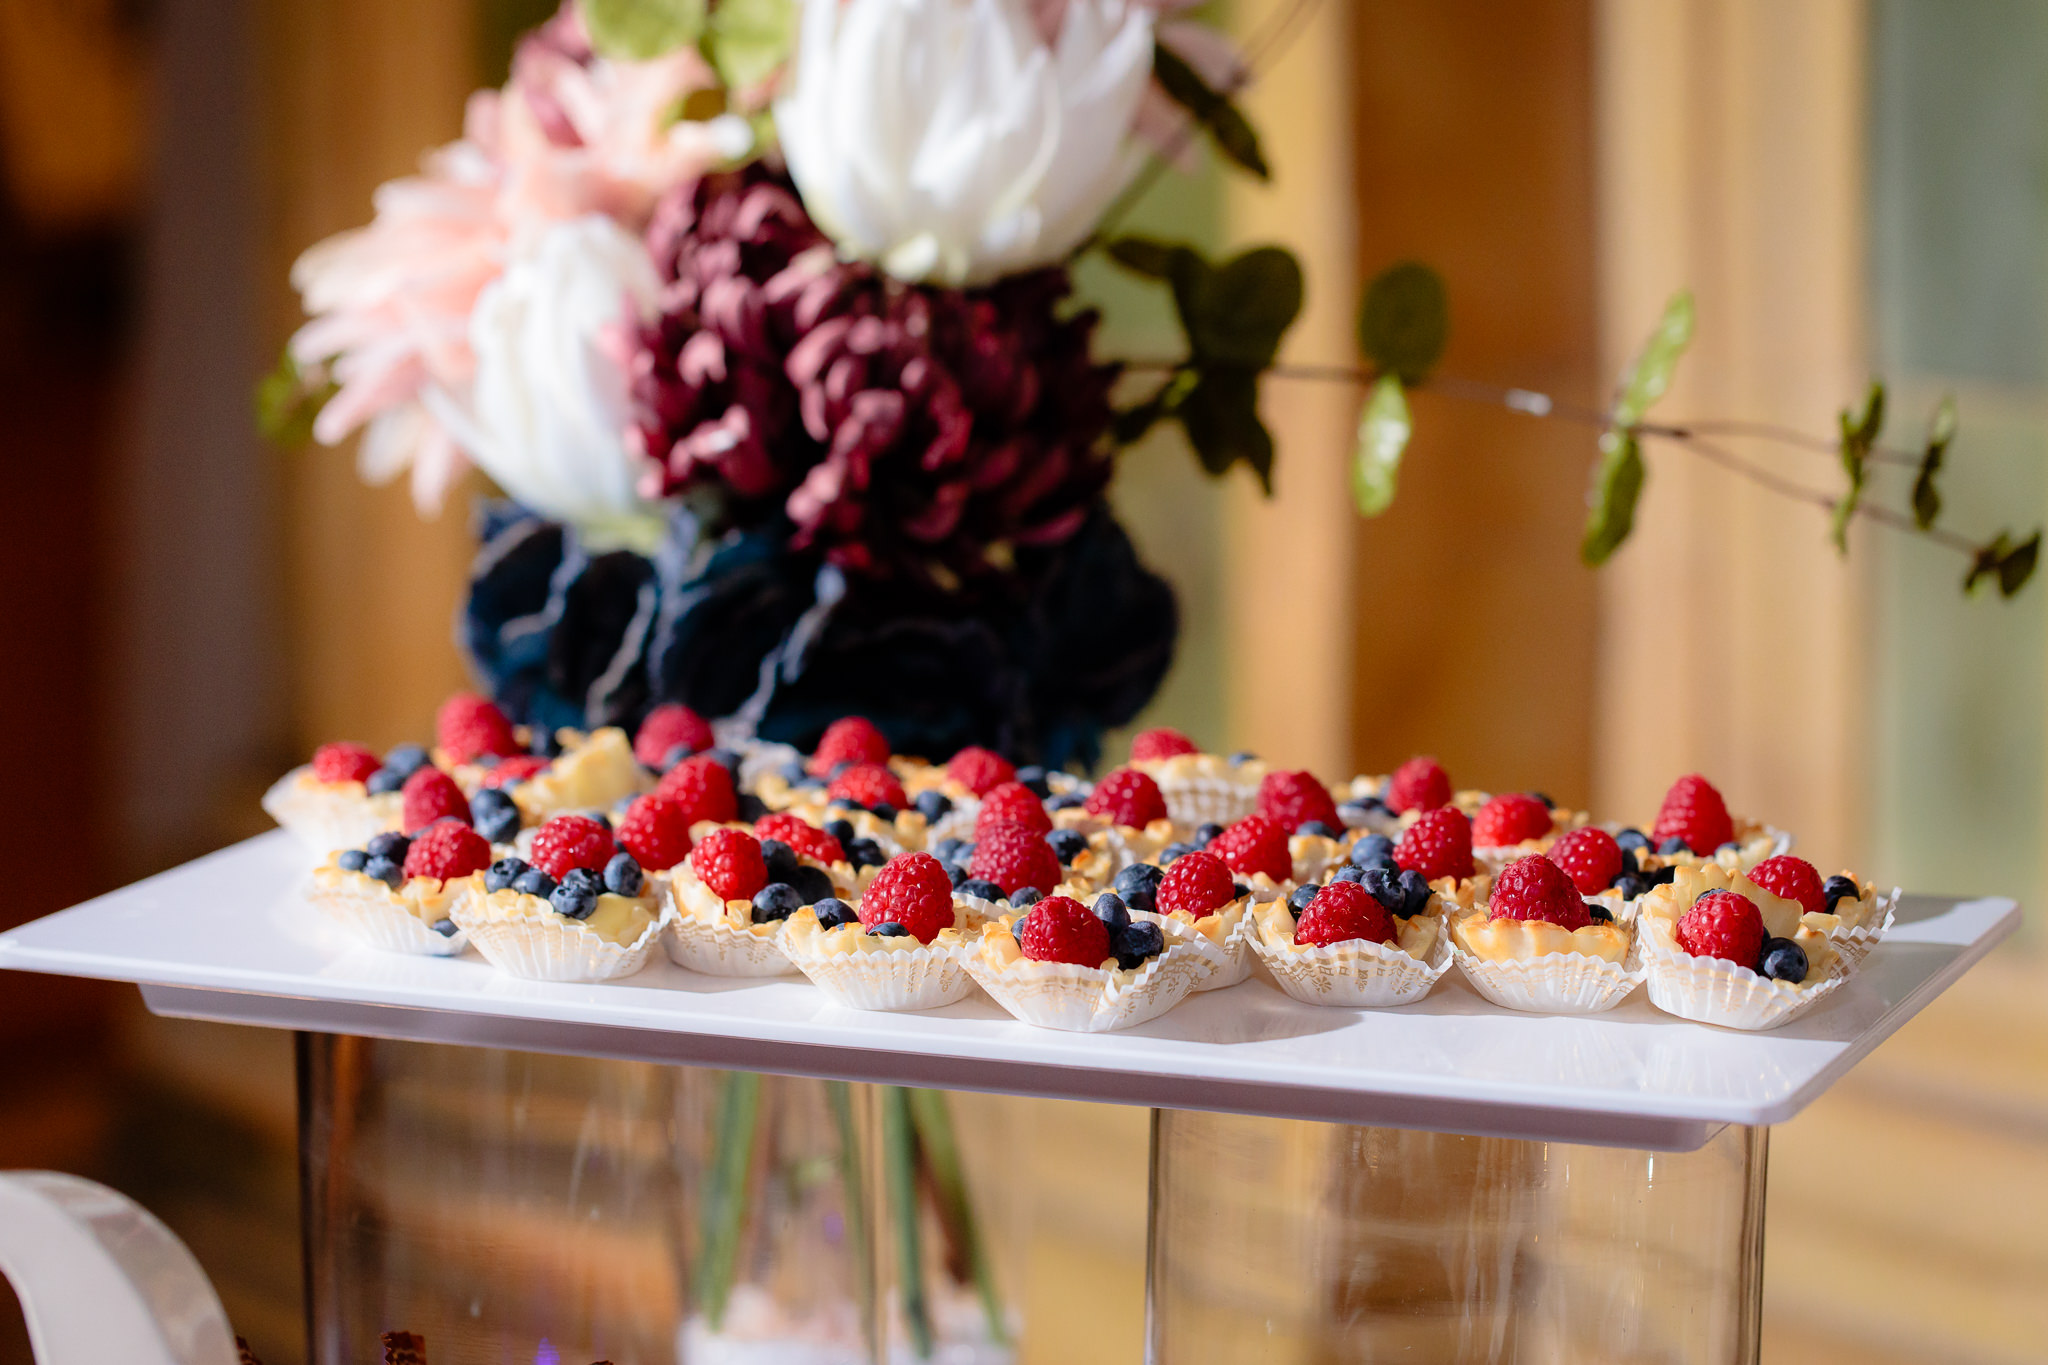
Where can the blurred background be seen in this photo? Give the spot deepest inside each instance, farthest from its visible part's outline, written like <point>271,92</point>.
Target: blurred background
<point>1849,188</point>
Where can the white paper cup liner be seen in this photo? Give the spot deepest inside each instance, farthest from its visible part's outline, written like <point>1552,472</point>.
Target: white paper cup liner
<point>1355,973</point>
<point>1853,945</point>
<point>375,921</point>
<point>325,821</point>
<point>921,978</point>
<point>1078,999</point>
<point>1228,962</point>
<point>722,949</point>
<point>1709,990</point>
<point>1555,983</point>
<point>547,947</point>
<point>1193,800</point>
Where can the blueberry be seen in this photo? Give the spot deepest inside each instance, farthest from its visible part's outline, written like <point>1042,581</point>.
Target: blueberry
<point>750,807</point>
<point>1298,899</point>
<point>444,927</point>
<point>1544,797</point>
<point>932,804</point>
<point>1631,862</point>
<point>389,844</point>
<point>1600,914</point>
<point>842,830</point>
<point>1017,927</point>
<point>1242,757</point>
<point>534,882</point>
<point>547,744</point>
<point>1631,837</point>
<point>953,850</point>
<point>1632,885</point>
<point>811,883</point>
<point>1316,827</point>
<point>676,754</point>
<point>793,772</point>
<point>384,780</point>
<point>386,870</point>
<point>1354,814</point>
<point>1111,910</point>
<point>1238,891</point>
<point>1373,850</point>
<point>1385,886</point>
<point>832,773</point>
<point>845,804</point>
<point>777,900</point>
<point>956,873</point>
<point>883,811</point>
<point>1730,847</point>
<point>726,759</point>
<point>1207,834</point>
<point>405,760</point>
<point>1782,960</point>
<point>573,900</point>
<point>864,853</point>
<point>1840,888</point>
<point>497,820</point>
<point>1026,895</point>
<point>889,930</point>
<point>1663,876</point>
<point>1414,894</point>
<point>352,860</point>
<point>500,875</point>
<point>584,879</point>
<point>1066,801</point>
<point>1034,778</point>
<point>1672,845</point>
<point>1138,884</point>
<point>1067,844</point>
<point>1352,872</point>
<point>780,860</point>
<point>622,875</point>
<point>1136,941</point>
<point>833,912</point>
<point>980,890</point>
<point>1172,851</point>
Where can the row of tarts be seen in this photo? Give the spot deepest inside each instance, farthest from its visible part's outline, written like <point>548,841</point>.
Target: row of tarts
<point>898,884</point>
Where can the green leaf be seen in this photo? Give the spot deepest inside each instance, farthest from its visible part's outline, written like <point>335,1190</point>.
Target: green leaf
<point>636,30</point>
<point>1405,321</point>
<point>1147,256</point>
<point>287,401</point>
<point>1383,430</point>
<point>1235,314</point>
<point>1129,426</point>
<point>746,40</point>
<point>1225,122</point>
<point>2008,564</point>
<point>1221,417</point>
<point>1617,483</point>
<point>1859,434</point>
<point>1941,429</point>
<point>1650,376</point>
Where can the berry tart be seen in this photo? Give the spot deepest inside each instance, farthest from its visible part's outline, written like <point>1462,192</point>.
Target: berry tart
<point>1122,821</point>
<point>1516,825</point>
<point>1199,891</point>
<point>1348,943</point>
<point>1534,943</point>
<point>344,796</point>
<point>397,893</point>
<point>1200,788</point>
<point>1300,804</point>
<point>1257,851</point>
<point>1721,949</point>
<point>1061,964</point>
<point>899,948</point>
<point>1385,804</point>
<point>1853,913</point>
<point>576,908</point>
<point>1009,864</point>
<point>1693,826</point>
<point>732,894</point>
<point>593,771</point>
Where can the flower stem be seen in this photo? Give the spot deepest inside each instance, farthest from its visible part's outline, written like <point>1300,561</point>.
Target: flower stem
<point>853,1187</point>
<point>941,1148</point>
<point>899,1169</point>
<point>725,1194</point>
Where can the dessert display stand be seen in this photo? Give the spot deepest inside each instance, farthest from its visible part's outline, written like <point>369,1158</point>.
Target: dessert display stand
<point>1447,1181</point>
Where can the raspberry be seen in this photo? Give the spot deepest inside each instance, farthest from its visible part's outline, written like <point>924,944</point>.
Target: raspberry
<point>1127,797</point>
<point>1438,844</point>
<point>1149,746</point>
<point>469,727</point>
<point>430,795</point>
<point>1590,857</point>
<point>1012,803</point>
<point>1014,857</point>
<point>1694,811</point>
<point>979,769</point>
<point>729,862</point>
<point>1342,911</point>
<point>344,763</point>
<point>1505,821</point>
<point>868,785</point>
<point>910,890</point>
<point>1723,925</point>
<point>572,841</point>
<point>517,768</point>
<point>1418,784</point>
<point>1061,929</point>
<point>666,726</point>
<point>850,739</point>
<point>1537,888</point>
<point>801,835</point>
<point>1254,845</point>
<point>446,850</point>
<point>702,786</point>
<point>656,831</point>
<point>1195,885</point>
<point>1292,799</point>
<point>1792,879</point>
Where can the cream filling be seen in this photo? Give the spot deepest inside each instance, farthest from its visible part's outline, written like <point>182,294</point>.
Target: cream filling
<point>617,919</point>
<point>1000,951</point>
<point>593,772</point>
<point>806,936</point>
<point>426,899</point>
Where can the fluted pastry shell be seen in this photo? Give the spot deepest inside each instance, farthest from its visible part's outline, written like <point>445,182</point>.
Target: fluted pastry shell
<point>1543,968</point>
<point>1202,789</point>
<point>326,817</point>
<point>718,937</point>
<point>394,920</point>
<point>522,935</point>
<point>1223,938</point>
<point>1078,999</point>
<point>1855,927</point>
<point>1357,972</point>
<point>860,971</point>
<point>1711,990</point>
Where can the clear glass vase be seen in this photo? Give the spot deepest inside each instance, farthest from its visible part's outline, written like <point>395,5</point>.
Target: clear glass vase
<point>1277,1241</point>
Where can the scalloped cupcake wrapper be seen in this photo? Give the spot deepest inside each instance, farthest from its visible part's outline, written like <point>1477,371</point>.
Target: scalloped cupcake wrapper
<point>1355,973</point>
<point>1556,983</point>
<point>325,821</point>
<point>372,920</point>
<point>722,949</point>
<point>1708,990</point>
<point>1228,962</point>
<point>916,979</point>
<point>546,947</point>
<point>1197,800</point>
<point>1853,945</point>
<point>1078,999</point>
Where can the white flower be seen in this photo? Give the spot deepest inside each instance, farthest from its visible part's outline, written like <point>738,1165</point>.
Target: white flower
<point>951,142</point>
<point>547,413</point>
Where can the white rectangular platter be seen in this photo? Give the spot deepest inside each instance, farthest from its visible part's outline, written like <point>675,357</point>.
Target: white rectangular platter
<point>228,938</point>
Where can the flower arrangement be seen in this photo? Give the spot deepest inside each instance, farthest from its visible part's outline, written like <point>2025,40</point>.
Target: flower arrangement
<point>759,314</point>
